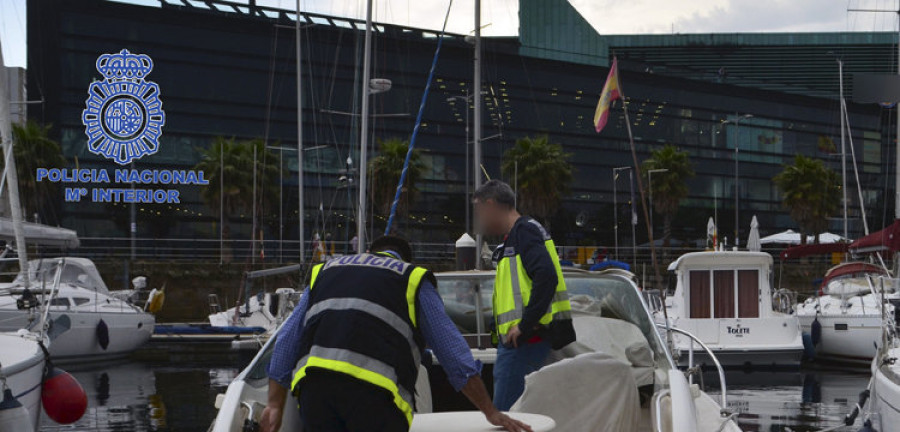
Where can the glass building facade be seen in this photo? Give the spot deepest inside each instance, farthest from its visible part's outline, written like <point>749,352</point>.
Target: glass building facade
<point>227,69</point>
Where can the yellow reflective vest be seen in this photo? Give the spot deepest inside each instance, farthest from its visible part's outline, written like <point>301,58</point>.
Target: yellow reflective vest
<point>513,288</point>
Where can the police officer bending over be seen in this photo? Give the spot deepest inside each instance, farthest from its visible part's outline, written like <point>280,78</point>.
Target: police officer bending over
<point>358,333</point>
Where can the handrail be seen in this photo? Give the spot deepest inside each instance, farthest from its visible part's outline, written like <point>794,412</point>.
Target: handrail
<point>709,352</point>
<point>53,291</point>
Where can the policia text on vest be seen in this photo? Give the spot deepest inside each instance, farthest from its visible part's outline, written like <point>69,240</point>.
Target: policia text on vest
<point>387,357</point>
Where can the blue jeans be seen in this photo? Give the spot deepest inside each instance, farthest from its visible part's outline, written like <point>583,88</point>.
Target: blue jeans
<point>511,367</point>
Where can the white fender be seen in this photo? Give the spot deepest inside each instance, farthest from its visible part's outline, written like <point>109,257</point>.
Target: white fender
<point>14,417</point>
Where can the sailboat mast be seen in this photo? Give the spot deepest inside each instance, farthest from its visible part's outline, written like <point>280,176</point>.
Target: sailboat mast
<point>840,63</point>
<point>897,136</point>
<point>300,219</point>
<point>12,178</point>
<point>364,132</point>
<point>476,154</point>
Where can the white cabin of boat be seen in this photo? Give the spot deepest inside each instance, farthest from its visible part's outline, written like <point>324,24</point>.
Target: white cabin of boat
<point>725,299</point>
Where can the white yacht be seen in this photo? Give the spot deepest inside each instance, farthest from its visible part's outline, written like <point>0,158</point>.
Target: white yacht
<point>725,299</point>
<point>844,321</point>
<point>265,310</point>
<point>21,370</point>
<point>634,384</point>
<point>86,321</point>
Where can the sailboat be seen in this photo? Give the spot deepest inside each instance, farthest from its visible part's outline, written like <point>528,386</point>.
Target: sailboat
<point>843,321</point>
<point>25,369</point>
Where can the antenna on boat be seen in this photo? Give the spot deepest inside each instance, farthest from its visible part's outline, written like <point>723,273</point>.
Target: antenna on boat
<point>476,153</point>
<point>364,132</point>
<point>300,136</point>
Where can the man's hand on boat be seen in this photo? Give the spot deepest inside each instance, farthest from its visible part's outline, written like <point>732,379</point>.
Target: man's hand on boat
<point>478,395</point>
<point>271,419</point>
<point>508,423</point>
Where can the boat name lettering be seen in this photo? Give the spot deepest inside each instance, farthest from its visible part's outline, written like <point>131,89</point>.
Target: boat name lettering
<point>738,330</point>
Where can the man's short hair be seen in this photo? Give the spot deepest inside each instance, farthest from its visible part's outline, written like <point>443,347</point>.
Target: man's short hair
<point>394,244</point>
<point>498,191</point>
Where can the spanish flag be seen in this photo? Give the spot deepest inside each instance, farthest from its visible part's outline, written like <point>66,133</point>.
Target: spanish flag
<point>609,94</point>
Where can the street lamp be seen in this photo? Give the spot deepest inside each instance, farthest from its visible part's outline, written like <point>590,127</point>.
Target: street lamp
<point>736,121</point>
<point>465,100</point>
<point>616,208</point>
<point>650,178</point>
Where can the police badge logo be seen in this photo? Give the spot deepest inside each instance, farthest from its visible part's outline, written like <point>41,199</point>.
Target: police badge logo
<point>123,117</point>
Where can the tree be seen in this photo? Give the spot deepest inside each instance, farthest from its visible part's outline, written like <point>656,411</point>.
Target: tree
<point>33,149</point>
<point>810,192</point>
<point>669,187</point>
<point>541,171</point>
<point>228,166</point>
<point>385,169</point>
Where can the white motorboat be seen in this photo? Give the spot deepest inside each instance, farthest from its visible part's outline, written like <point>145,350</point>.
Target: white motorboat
<point>635,384</point>
<point>21,369</point>
<point>725,299</point>
<point>844,320</point>
<point>86,321</point>
<point>617,343</point>
<point>265,310</point>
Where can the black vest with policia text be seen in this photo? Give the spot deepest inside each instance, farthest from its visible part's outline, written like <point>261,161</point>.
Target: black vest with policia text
<point>362,321</point>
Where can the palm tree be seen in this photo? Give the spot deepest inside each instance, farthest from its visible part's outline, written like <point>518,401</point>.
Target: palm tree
<point>542,173</point>
<point>385,174</point>
<point>669,187</point>
<point>34,149</point>
<point>810,192</point>
<point>228,166</point>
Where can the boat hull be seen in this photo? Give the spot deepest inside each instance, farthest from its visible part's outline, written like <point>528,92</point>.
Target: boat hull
<point>23,366</point>
<point>885,398</point>
<point>845,338</point>
<point>774,341</point>
<point>756,359</point>
<point>127,332</point>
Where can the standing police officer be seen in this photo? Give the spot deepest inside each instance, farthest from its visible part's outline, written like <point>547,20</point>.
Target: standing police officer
<point>358,334</point>
<point>532,314</point>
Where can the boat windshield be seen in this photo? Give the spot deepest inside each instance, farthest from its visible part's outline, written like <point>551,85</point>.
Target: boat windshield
<point>591,294</point>
<point>616,298</point>
<point>75,272</point>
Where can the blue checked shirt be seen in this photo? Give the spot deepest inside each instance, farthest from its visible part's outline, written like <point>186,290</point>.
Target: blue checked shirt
<point>440,334</point>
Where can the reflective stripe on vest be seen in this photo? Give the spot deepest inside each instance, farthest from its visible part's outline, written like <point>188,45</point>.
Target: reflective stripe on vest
<point>375,310</point>
<point>412,288</point>
<point>517,288</point>
<point>361,367</point>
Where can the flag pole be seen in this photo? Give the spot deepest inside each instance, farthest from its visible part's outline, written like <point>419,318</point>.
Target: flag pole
<point>637,169</point>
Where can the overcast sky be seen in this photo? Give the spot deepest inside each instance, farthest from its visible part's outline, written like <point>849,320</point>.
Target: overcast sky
<point>607,16</point>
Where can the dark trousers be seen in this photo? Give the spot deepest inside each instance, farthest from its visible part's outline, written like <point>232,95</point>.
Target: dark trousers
<point>336,402</point>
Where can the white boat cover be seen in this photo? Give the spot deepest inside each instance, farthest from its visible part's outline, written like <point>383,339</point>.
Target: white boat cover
<point>39,234</point>
<point>592,393</point>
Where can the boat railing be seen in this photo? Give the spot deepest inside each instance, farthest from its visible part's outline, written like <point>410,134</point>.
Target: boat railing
<point>694,339</point>
<point>54,289</point>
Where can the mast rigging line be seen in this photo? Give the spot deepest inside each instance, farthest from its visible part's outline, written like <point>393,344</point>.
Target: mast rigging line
<point>415,133</point>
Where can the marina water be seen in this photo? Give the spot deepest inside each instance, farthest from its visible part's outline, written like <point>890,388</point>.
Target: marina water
<point>179,395</point>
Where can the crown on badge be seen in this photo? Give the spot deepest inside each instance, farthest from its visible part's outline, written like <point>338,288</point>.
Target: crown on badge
<point>124,65</point>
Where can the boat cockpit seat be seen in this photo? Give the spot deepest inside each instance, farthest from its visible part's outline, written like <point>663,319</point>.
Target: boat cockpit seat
<point>592,392</point>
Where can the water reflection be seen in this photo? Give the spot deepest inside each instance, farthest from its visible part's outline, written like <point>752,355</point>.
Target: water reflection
<point>138,396</point>
<point>791,401</point>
